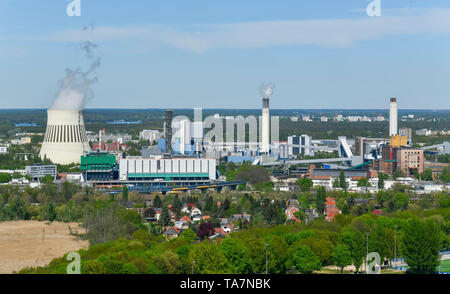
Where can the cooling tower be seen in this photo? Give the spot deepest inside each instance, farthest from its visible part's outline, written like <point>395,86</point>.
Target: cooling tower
<point>393,110</point>
<point>65,139</point>
<point>265,126</point>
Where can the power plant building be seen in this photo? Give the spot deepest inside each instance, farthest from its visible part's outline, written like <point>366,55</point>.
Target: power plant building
<point>299,145</point>
<point>410,160</point>
<point>189,169</point>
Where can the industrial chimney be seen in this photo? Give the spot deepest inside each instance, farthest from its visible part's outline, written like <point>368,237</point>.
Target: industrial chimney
<point>393,111</point>
<point>265,126</point>
<point>65,139</point>
<point>168,131</point>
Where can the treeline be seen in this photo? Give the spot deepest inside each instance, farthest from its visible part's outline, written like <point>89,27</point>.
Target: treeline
<point>295,248</point>
<point>66,202</point>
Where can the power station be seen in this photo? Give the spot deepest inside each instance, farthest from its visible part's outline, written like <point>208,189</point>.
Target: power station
<point>65,139</point>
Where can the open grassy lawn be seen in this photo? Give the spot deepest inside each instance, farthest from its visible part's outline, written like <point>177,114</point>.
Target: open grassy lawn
<point>445,266</point>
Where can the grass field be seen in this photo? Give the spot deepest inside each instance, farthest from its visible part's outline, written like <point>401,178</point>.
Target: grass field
<point>445,266</point>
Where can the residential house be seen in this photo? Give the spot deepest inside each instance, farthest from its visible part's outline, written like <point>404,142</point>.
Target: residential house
<point>292,206</point>
<point>377,212</point>
<point>197,218</point>
<point>330,208</point>
<point>196,211</point>
<point>171,233</point>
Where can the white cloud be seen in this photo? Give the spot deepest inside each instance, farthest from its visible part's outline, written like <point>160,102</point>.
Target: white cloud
<point>319,32</point>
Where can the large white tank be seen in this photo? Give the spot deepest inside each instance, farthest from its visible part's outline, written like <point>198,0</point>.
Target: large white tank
<point>65,138</point>
<point>393,112</point>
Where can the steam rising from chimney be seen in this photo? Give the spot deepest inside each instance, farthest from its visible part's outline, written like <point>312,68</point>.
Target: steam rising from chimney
<point>75,87</point>
<point>266,90</point>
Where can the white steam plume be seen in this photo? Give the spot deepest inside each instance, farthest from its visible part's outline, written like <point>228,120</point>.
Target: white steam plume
<point>266,90</point>
<point>75,88</point>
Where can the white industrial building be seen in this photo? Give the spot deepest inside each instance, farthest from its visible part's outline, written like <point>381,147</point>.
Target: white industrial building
<point>300,145</point>
<point>167,169</point>
<point>3,149</point>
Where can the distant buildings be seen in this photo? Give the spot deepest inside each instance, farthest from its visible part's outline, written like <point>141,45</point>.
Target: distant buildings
<point>406,132</point>
<point>299,145</point>
<point>410,160</point>
<point>21,141</point>
<point>423,132</point>
<point>435,167</point>
<point>150,135</point>
<point>39,171</point>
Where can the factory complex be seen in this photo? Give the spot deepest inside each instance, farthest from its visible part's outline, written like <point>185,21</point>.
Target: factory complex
<point>184,157</point>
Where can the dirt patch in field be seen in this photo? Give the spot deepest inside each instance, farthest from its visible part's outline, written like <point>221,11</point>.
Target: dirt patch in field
<point>34,243</point>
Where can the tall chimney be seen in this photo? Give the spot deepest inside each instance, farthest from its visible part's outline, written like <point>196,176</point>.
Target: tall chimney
<point>393,112</point>
<point>265,126</point>
<point>168,132</point>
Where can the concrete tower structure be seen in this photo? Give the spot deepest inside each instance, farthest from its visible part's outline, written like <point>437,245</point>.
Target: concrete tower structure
<point>393,117</point>
<point>265,136</point>
<point>168,131</point>
<point>65,139</point>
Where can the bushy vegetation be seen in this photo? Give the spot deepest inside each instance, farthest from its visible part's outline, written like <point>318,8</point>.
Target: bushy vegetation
<point>302,248</point>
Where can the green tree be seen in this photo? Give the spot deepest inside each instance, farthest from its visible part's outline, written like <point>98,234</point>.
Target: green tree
<point>381,178</point>
<point>397,174</point>
<point>304,260</point>
<point>164,218</point>
<point>356,243</point>
<point>18,208</point>
<point>125,192</point>
<point>342,256</point>
<point>363,182</point>
<point>157,203</point>
<point>48,211</point>
<point>167,263</point>
<point>400,201</point>
<point>445,175</point>
<point>336,183</point>
<point>208,258</point>
<point>277,254</point>
<point>320,199</point>
<point>257,249</point>
<point>427,175</point>
<point>421,246</point>
<point>305,184</point>
<point>189,235</point>
<point>5,178</point>
<point>342,182</point>
<point>238,255</point>
<point>378,241</point>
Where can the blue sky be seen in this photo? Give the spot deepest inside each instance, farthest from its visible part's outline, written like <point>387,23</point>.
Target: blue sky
<point>174,53</point>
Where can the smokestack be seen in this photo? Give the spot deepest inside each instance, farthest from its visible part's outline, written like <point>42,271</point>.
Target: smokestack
<point>266,91</point>
<point>168,131</point>
<point>65,139</point>
<point>265,144</point>
<point>393,117</point>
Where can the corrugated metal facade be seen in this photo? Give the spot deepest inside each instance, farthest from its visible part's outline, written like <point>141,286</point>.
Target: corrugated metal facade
<point>167,168</point>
